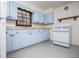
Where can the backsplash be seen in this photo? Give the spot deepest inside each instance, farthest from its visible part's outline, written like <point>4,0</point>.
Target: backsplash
<point>12,24</point>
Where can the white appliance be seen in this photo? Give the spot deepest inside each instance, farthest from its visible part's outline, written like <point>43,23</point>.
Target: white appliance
<point>62,35</point>
<point>2,29</point>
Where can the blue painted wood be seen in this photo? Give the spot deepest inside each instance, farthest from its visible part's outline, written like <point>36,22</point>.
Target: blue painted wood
<point>45,19</point>
<point>24,38</point>
<point>7,9</point>
<point>41,18</point>
<point>9,40</point>
<point>49,18</point>
<point>9,43</point>
<point>35,17</point>
<point>12,9</point>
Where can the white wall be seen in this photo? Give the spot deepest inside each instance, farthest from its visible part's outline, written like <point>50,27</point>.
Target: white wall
<point>72,11</point>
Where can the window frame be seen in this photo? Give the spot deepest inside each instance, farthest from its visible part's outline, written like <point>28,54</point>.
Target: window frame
<point>23,17</point>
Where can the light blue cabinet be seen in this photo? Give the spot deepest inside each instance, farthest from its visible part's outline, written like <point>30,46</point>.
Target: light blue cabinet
<point>9,42</point>
<point>8,9</point>
<point>20,40</point>
<point>12,10</point>
<point>10,36</point>
<point>49,18</point>
<point>41,18</point>
<point>17,39</point>
<point>37,17</point>
<point>36,36</point>
<point>45,34</point>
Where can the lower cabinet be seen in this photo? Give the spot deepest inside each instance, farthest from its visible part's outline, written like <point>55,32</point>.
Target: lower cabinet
<point>17,39</point>
<point>18,42</point>
<point>10,36</point>
<point>9,42</point>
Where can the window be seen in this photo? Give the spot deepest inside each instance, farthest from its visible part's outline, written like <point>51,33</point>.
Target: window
<point>24,17</point>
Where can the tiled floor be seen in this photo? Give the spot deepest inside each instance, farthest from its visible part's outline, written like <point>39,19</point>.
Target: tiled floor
<point>46,50</point>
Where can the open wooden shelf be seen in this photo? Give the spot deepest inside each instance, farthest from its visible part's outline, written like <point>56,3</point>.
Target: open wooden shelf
<point>72,17</point>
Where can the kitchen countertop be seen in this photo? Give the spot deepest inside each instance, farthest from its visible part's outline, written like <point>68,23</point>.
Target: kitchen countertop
<point>24,28</point>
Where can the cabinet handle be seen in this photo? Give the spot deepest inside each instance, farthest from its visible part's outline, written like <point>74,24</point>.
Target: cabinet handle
<point>6,32</point>
<point>10,16</point>
<point>30,33</point>
<point>41,32</point>
<point>11,35</point>
<point>7,16</point>
<point>17,32</point>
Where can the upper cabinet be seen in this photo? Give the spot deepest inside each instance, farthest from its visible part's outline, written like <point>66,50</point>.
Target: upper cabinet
<point>37,17</point>
<point>41,18</point>
<point>12,10</point>
<point>49,18</point>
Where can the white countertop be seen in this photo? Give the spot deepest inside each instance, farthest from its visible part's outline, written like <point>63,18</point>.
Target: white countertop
<point>24,28</point>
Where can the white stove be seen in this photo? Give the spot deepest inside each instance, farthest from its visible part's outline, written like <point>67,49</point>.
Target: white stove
<point>61,35</point>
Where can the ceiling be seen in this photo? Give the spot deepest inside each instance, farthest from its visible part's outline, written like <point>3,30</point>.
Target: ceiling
<point>49,4</point>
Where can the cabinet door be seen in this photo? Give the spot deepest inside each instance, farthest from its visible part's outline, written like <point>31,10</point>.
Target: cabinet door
<point>35,17</point>
<point>49,18</point>
<point>9,41</point>
<point>41,18</point>
<point>44,34</point>
<point>47,34</point>
<point>13,9</point>
<point>38,17</point>
<point>7,9</point>
<point>18,40</point>
<point>45,19</point>
<point>34,37</point>
<point>28,38</point>
<point>23,37</point>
